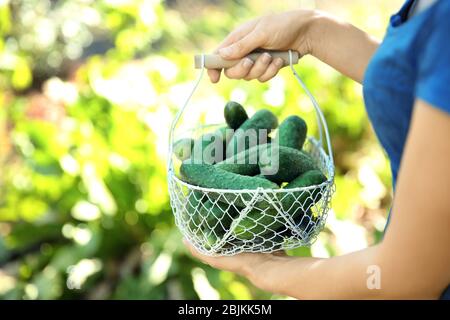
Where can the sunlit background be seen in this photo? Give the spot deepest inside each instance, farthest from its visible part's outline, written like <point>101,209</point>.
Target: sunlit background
<point>88,90</point>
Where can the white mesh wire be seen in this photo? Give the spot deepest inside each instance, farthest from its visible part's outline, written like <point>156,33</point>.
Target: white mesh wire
<point>226,222</point>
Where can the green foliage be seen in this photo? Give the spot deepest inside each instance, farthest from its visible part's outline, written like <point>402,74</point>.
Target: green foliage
<point>84,207</point>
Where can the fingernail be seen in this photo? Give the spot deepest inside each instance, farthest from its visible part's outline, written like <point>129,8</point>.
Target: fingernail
<point>266,57</point>
<point>279,62</point>
<point>226,51</point>
<point>247,63</point>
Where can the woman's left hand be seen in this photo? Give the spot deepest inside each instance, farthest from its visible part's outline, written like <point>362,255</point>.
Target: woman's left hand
<point>253,266</point>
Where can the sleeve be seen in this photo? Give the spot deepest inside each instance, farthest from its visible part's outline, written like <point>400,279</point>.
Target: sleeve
<point>433,81</point>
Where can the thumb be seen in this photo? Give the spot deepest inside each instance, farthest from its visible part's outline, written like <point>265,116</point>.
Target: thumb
<point>242,47</point>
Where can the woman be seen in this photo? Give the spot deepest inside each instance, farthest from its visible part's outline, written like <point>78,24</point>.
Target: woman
<point>406,83</point>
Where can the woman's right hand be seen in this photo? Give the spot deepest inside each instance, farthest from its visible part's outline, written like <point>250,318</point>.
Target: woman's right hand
<point>284,31</point>
<point>336,43</point>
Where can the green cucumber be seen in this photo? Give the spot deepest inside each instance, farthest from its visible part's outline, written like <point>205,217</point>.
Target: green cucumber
<point>295,204</point>
<point>306,225</point>
<point>273,241</point>
<point>309,178</point>
<point>208,176</point>
<point>217,216</point>
<point>191,216</point>
<point>283,164</point>
<point>211,240</point>
<point>292,132</point>
<point>253,131</point>
<point>211,147</point>
<point>258,223</point>
<point>308,197</point>
<point>226,133</point>
<point>249,162</point>
<point>182,148</point>
<point>304,222</point>
<point>259,175</point>
<point>244,163</point>
<point>234,114</point>
<point>207,216</point>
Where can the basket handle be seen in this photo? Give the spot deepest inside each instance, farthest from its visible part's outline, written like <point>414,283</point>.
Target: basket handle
<point>215,61</point>
<point>292,59</point>
<point>321,122</point>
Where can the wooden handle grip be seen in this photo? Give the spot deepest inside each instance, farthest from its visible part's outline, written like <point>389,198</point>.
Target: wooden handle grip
<point>214,61</point>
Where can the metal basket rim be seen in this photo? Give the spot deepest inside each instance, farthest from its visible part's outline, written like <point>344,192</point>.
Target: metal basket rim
<point>329,181</point>
<point>280,190</point>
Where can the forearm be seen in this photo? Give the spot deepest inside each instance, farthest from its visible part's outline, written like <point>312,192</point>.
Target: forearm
<point>412,261</point>
<point>342,277</point>
<point>340,45</point>
<point>350,276</point>
<point>413,258</point>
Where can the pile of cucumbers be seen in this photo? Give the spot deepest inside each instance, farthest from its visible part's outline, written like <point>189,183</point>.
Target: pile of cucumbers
<point>247,154</point>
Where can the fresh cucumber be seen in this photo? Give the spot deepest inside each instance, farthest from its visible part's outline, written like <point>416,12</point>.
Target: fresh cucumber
<point>182,148</point>
<point>305,222</point>
<point>262,222</point>
<point>283,164</point>
<point>292,132</point>
<point>306,198</point>
<point>210,147</point>
<point>217,216</point>
<point>272,241</point>
<point>208,217</point>
<point>192,206</point>
<point>208,176</point>
<point>226,133</point>
<point>253,131</point>
<point>258,223</point>
<point>306,225</point>
<point>234,114</point>
<point>211,240</point>
<point>245,162</point>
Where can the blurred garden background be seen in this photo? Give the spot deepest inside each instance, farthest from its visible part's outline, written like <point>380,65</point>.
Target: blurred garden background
<point>88,90</point>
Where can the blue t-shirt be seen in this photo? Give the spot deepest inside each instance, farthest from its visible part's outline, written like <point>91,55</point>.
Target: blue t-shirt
<point>413,61</point>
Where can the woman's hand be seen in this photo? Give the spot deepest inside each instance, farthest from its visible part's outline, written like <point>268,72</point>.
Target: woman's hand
<point>411,262</point>
<point>253,266</point>
<point>282,31</point>
<point>336,43</point>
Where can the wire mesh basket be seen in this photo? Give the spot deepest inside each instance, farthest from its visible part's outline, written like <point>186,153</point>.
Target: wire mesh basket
<point>227,222</point>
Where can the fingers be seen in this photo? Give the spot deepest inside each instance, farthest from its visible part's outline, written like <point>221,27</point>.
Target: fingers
<point>244,46</point>
<point>239,263</point>
<point>215,262</point>
<point>234,36</point>
<point>214,75</point>
<point>195,253</point>
<point>192,250</point>
<point>237,34</point>
<point>280,253</point>
<point>240,70</point>
<point>264,69</point>
<point>246,69</point>
<point>260,67</point>
<point>271,70</point>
